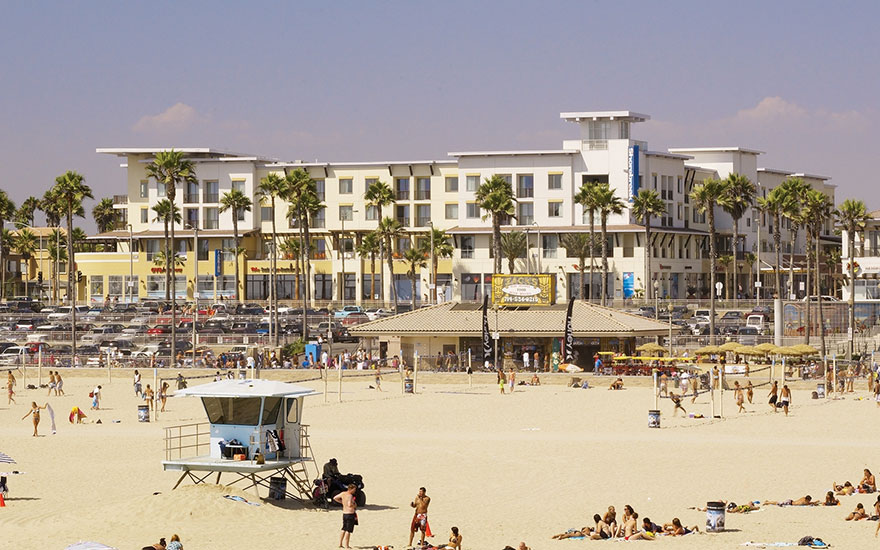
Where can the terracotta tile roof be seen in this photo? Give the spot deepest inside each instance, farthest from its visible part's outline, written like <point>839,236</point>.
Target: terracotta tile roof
<point>465,319</point>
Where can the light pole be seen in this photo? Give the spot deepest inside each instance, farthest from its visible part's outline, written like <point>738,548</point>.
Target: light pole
<point>540,246</point>
<point>758,262</point>
<point>528,253</point>
<point>57,269</point>
<point>656,300</point>
<point>195,316</point>
<point>432,283</point>
<point>130,284</point>
<point>669,309</point>
<point>342,253</point>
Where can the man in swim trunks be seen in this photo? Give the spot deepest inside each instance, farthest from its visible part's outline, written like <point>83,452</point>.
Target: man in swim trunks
<point>420,517</point>
<point>785,398</point>
<point>774,391</point>
<point>349,514</point>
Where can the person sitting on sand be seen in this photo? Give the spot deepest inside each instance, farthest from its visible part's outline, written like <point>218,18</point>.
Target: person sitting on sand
<point>677,401</point>
<point>845,490</point>
<point>175,543</point>
<point>610,518</point>
<point>857,514</point>
<point>803,501</point>
<point>830,500</point>
<point>648,532</point>
<point>158,546</point>
<point>676,529</point>
<point>616,385</point>
<point>867,484</point>
<point>602,530</point>
<point>630,526</point>
<point>454,541</point>
<point>535,380</point>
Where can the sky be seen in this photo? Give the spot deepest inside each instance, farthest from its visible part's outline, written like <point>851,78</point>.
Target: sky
<point>351,81</point>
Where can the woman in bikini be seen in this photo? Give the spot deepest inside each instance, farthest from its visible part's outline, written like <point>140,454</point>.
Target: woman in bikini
<point>857,514</point>
<point>676,529</point>
<point>10,388</point>
<point>774,396</point>
<point>738,395</point>
<point>830,500</point>
<point>610,519</point>
<point>163,395</point>
<point>750,392</point>
<point>867,484</point>
<point>35,412</point>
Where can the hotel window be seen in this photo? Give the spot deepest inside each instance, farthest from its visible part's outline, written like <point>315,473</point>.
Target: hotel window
<point>467,246</point>
<point>472,182</point>
<point>624,129</point>
<point>679,185</point>
<point>319,218</point>
<point>192,192</point>
<point>204,246</point>
<point>403,244</point>
<point>346,212</point>
<point>319,249</point>
<point>265,213</point>
<point>598,129</point>
<point>96,286</point>
<point>323,286</point>
<point>372,213</point>
<point>319,188</point>
<point>451,211</point>
<point>346,187</point>
<point>145,215</point>
<point>369,182</point>
<point>525,186</point>
<point>212,218</point>
<point>239,212</point>
<point>114,285</point>
<point>192,217</point>
<point>211,192</point>
<point>654,180</point>
<point>423,215</point>
<point>525,213</point>
<point>451,184</point>
<point>423,189</point>
<point>401,189</point>
<point>160,189</point>
<point>473,210</point>
<point>401,214</point>
<point>554,181</point>
<point>506,177</point>
<point>678,216</point>
<point>549,245</point>
<point>145,189</point>
<point>238,185</point>
<point>554,209</point>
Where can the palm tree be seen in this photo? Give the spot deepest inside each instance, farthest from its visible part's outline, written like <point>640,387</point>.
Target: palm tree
<point>775,205</point>
<point>58,253</point>
<point>390,230</point>
<point>24,216</point>
<point>369,247</point>
<point>167,213</point>
<point>52,208</point>
<point>495,196</point>
<point>438,241</point>
<point>833,258</point>
<point>725,260</point>
<point>586,197</point>
<point>105,215</point>
<point>71,190</point>
<point>705,196</point>
<point>793,189</point>
<point>513,245</point>
<point>380,195</point>
<point>578,245</point>
<point>606,203</point>
<point>740,197</point>
<point>238,203</point>
<point>304,203</point>
<point>290,248</point>
<point>273,186</point>
<point>851,216</point>
<point>7,211</point>
<point>415,257</point>
<point>170,169</point>
<point>817,208</point>
<point>645,205</point>
<point>80,244</point>
<point>750,259</point>
<point>160,260</point>
<point>25,243</point>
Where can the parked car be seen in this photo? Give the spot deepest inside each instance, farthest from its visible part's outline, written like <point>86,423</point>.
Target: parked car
<point>824,299</point>
<point>346,311</point>
<point>14,354</point>
<point>136,329</point>
<point>64,312</point>
<point>702,313</point>
<point>354,319</point>
<point>25,324</point>
<point>242,327</point>
<point>748,336</point>
<point>160,329</point>
<point>146,351</point>
<point>377,312</point>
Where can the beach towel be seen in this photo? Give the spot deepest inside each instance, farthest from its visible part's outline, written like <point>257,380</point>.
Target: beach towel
<point>51,417</point>
<point>240,499</point>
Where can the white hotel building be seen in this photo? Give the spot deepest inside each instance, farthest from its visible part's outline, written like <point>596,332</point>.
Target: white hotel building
<point>441,192</point>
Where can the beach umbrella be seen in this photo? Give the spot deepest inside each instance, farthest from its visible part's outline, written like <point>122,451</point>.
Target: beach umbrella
<point>790,351</point>
<point>651,347</point>
<point>705,350</point>
<point>6,459</point>
<point>767,347</point>
<point>806,349</point>
<point>749,350</point>
<point>87,545</point>
<point>730,346</point>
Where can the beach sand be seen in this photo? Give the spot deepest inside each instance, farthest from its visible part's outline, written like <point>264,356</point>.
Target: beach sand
<point>503,468</point>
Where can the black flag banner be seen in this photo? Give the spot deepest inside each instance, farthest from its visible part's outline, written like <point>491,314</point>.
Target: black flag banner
<point>569,337</point>
<point>487,338</point>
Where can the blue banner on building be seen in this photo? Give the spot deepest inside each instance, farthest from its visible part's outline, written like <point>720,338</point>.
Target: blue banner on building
<point>218,262</point>
<point>633,169</point>
<point>628,284</point>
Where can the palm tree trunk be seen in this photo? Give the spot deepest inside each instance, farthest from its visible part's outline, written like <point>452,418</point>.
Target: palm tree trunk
<point>592,253</point>
<point>791,265</point>
<point>496,245</point>
<point>581,267</point>
<point>777,244</point>
<point>711,214</point>
<point>390,261</point>
<point>412,281</point>
<point>821,320</point>
<point>809,236</point>
<point>167,270</point>
<point>372,276</point>
<point>71,295</point>
<point>307,267</point>
<point>852,293</point>
<point>735,262</point>
<point>382,250</point>
<point>273,290</point>
<point>604,221</point>
<point>648,254</point>
<point>303,250</point>
<point>433,291</point>
<point>2,264</point>
<point>169,259</point>
<point>238,294</point>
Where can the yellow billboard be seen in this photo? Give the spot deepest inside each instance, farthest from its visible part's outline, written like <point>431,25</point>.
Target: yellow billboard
<point>523,290</point>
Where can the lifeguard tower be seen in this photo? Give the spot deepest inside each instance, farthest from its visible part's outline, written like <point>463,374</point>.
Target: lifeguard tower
<point>254,431</point>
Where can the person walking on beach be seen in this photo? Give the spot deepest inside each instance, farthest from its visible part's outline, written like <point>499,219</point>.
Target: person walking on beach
<point>738,395</point>
<point>59,384</point>
<point>51,383</point>
<point>35,411</point>
<point>378,379</point>
<point>137,384</point>
<point>10,388</point>
<point>420,516</point>
<point>501,380</point>
<point>785,398</point>
<point>148,397</point>
<point>695,386</point>
<point>96,398</point>
<point>750,392</point>
<point>774,391</point>
<point>163,395</point>
<point>349,514</point>
<point>511,379</point>
<point>677,401</point>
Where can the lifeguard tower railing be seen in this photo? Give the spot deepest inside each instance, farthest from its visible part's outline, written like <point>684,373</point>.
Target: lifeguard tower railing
<point>194,440</point>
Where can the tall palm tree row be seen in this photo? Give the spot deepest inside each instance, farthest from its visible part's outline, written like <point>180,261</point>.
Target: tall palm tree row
<point>105,215</point>
<point>740,197</point>
<point>647,204</point>
<point>58,253</point>
<point>586,197</point>
<point>7,211</point>
<point>705,196</point>
<point>578,245</point>
<point>851,216</point>
<point>415,257</point>
<point>271,187</point>
<point>817,208</point>
<point>606,203</point>
<point>438,242</point>
<point>24,216</point>
<point>495,196</point>
<point>303,204</point>
<point>167,214</point>
<point>369,247</point>
<point>793,190</point>
<point>171,169</point>
<point>513,245</point>
<point>390,230</point>
<point>238,203</point>
<point>775,205</point>
<point>71,190</point>
<point>25,243</point>
<point>378,195</point>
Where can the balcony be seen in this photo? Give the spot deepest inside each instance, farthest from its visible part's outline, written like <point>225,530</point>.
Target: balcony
<point>423,194</point>
<point>120,199</point>
<point>402,195</point>
<point>423,222</point>
<point>210,197</point>
<point>594,144</point>
<point>403,220</point>
<point>191,198</point>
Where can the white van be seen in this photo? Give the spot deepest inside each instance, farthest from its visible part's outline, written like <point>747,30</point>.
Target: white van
<point>756,321</point>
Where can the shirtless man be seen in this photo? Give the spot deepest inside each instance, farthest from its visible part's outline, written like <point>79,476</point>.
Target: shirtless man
<point>677,401</point>
<point>774,391</point>
<point>349,514</point>
<point>664,385</point>
<point>803,501</point>
<point>785,398</point>
<point>420,516</point>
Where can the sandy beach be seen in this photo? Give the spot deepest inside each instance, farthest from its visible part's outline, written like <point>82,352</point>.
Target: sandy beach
<point>503,468</point>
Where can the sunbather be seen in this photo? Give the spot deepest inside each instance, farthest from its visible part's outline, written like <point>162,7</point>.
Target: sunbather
<point>676,529</point>
<point>603,529</point>
<point>857,514</point>
<point>803,501</point>
<point>830,500</point>
<point>648,532</point>
<point>846,489</point>
<point>867,484</point>
<point>610,518</point>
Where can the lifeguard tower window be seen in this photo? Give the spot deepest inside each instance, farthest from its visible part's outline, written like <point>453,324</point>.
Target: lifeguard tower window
<point>292,411</point>
<point>244,411</point>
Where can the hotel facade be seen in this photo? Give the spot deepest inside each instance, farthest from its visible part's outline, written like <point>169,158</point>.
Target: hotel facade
<point>441,193</point>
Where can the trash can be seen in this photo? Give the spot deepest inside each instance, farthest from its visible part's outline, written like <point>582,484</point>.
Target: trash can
<point>143,413</point>
<point>408,385</point>
<point>820,390</point>
<point>277,488</point>
<point>653,418</point>
<point>715,513</point>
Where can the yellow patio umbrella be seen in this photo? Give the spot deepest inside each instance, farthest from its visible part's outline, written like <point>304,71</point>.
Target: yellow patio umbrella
<point>767,347</point>
<point>790,351</point>
<point>705,350</point>
<point>651,347</point>
<point>730,346</point>
<point>806,349</point>
<point>749,350</point>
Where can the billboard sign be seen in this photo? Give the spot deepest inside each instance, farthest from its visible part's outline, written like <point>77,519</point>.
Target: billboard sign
<point>523,290</point>
<point>632,167</point>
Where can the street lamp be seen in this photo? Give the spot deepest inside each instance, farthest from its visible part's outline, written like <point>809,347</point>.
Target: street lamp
<point>342,252</point>
<point>130,264</point>
<point>669,308</point>
<point>432,283</point>
<point>656,300</point>
<point>528,253</point>
<point>540,246</point>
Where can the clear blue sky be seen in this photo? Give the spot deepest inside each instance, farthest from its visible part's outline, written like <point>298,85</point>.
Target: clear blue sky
<point>414,80</point>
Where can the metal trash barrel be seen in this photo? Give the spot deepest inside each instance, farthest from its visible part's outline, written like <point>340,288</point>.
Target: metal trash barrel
<point>277,488</point>
<point>408,385</point>
<point>715,514</point>
<point>820,390</point>
<point>143,413</point>
<point>653,418</point>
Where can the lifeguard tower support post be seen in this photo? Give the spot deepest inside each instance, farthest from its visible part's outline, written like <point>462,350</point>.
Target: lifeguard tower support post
<point>250,412</point>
